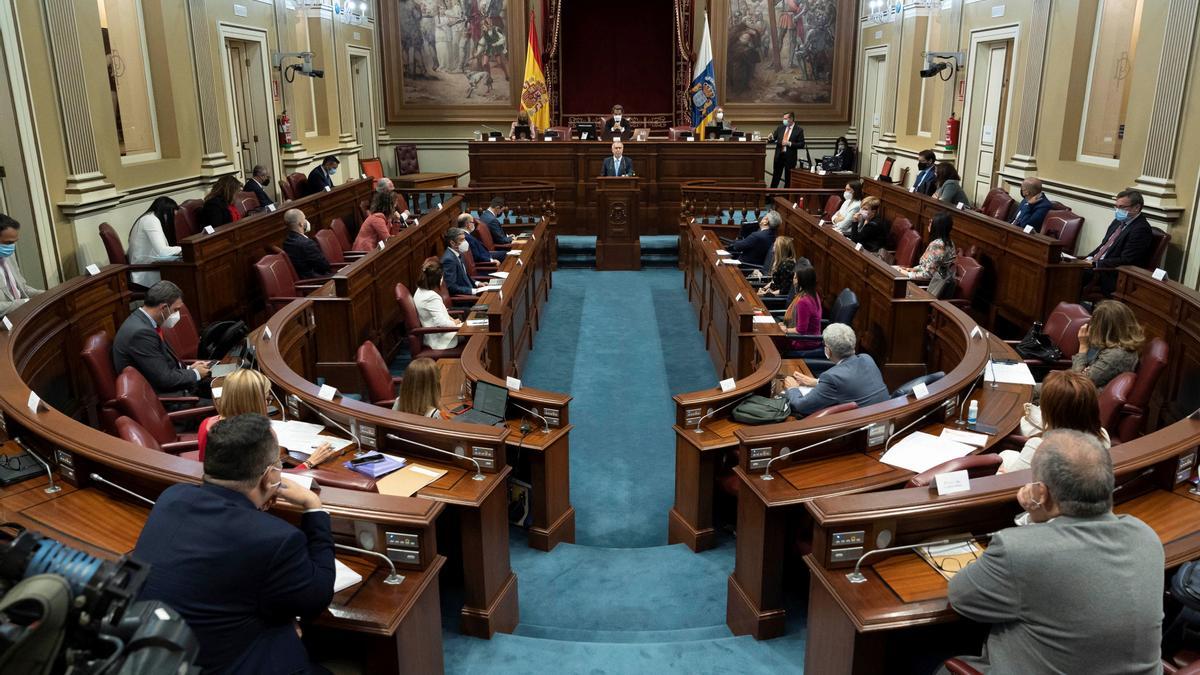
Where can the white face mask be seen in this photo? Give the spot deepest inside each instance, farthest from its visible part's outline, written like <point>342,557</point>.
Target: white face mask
<point>307,226</point>
<point>463,246</point>
<point>171,320</point>
<point>616,118</point>
<point>720,116</point>
<point>848,195</point>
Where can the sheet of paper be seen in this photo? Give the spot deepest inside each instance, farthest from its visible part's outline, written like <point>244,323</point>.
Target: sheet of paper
<point>1010,373</point>
<point>1068,256</point>
<point>499,275</point>
<point>968,437</point>
<point>731,261</point>
<point>303,481</point>
<point>722,251</point>
<point>343,576</point>
<point>760,318</point>
<point>407,481</point>
<point>477,323</point>
<point>919,452</point>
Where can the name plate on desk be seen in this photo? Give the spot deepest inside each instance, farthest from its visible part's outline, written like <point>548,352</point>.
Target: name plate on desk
<point>952,482</point>
<point>1028,229</point>
<point>34,403</point>
<point>93,270</point>
<point>328,189</point>
<point>921,390</point>
<point>728,385</point>
<point>6,323</point>
<point>327,393</point>
<point>1159,274</point>
<point>208,229</point>
<point>512,383</point>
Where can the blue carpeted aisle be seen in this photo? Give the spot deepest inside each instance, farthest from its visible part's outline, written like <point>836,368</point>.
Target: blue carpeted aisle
<point>621,600</point>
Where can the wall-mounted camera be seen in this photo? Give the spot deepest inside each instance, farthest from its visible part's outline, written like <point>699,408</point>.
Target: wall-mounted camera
<point>303,68</point>
<point>936,62</point>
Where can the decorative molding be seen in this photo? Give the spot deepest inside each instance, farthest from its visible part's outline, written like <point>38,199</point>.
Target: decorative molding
<point>1039,25</point>
<point>1162,141</point>
<point>213,161</point>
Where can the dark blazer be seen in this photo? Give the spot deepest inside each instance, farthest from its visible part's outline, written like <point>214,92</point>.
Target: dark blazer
<point>137,344</point>
<point>1134,246</point>
<point>318,180</point>
<point>796,139</point>
<point>754,249</point>
<point>238,576</point>
<point>610,168</point>
<point>454,273</point>
<point>610,123</point>
<point>253,186</point>
<point>926,182</point>
<point>855,378</point>
<point>1032,214</point>
<point>215,212</point>
<point>872,234</point>
<point>494,227</point>
<point>306,255</point>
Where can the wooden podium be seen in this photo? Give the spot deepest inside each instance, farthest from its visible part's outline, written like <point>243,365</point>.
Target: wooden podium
<point>617,244</point>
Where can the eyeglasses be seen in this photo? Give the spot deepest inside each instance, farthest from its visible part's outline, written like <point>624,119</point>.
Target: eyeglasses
<point>954,565</point>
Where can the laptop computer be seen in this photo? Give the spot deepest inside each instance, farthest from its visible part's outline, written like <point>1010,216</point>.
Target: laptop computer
<point>489,405</point>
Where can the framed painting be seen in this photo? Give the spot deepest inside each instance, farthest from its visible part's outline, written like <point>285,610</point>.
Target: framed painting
<point>778,55</point>
<point>451,59</point>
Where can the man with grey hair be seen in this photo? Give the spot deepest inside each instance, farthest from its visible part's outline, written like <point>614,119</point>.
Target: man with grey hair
<point>1077,591</point>
<point>1034,205</point>
<point>479,251</point>
<point>853,377</point>
<point>454,270</point>
<point>305,254</point>
<point>753,249</point>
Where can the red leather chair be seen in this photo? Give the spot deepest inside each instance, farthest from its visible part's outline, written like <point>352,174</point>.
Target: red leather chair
<point>1063,226</point>
<point>184,336</point>
<point>832,205</point>
<point>900,225</point>
<point>137,401</point>
<point>967,275</point>
<point>381,386</point>
<point>185,218</point>
<point>1133,413</point>
<point>278,283</point>
<point>97,358</point>
<point>679,133</point>
<point>1113,398</point>
<point>135,433</point>
<point>406,159</point>
<point>1162,240</point>
<point>885,171</point>
<point>298,183</point>
<point>285,188</point>
<point>906,248</point>
<point>338,227</point>
<point>372,166</point>
<point>245,202</point>
<point>412,325</point>
<point>116,256</point>
<point>835,409</point>
<point>485,235</point>
<point>328,242</point>
<point>976,466</point>
<point>1062,327</point>
<point>998,204</point>
<point>311,283</point>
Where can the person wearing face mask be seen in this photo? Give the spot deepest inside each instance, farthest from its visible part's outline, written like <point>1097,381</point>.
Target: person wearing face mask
<point>479,252</point>
<point>377,226</point>
<point>305,254</point>
<point>721,121</point>
<point>867,226</point>
<point>618,164</point>
<point>926,181</point>
<point>14,290</point>
<point>1034,205</point>
<point>523,127</point>
<point>753,250</point>
<point>617,126</point>
<point>852,196</point>
<point>853,377</point>
<point>140,343</point>
<point>240,576</point>
<point>1077,590</point>
<point>1128,241</point>
<point>454,270</point>
<point>843,156</point>
<point>431,309</point>
<point>321,177</point>
<point>259,179</point>
<point>788,137</point>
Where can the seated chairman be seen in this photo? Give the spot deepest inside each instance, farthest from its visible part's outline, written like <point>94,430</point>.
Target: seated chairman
<point>853,377</point>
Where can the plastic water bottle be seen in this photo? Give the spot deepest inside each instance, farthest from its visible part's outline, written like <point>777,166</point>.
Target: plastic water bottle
<point>972,413</point>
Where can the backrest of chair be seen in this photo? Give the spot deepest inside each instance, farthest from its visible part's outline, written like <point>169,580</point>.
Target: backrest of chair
<point>328,242</point>
<point>372,166</point>
<point>976,466</point>
<point>832,205</point>
<point>1162,239</point>
<point>1063,324</point>
<point>469,263</point>
<point>844,307</point>
<point>185,218</point>
<point>834,409</point>
<point>886,169</point>
<point>135,433</point>
<point>906,248</point>
<point>408,314</point>
<point>374,371</point>
<point>967,275</point>
<point>184,336</point>
<point>900,225</point>
<point>406,159</point>
<point>97,357</point>
<point>1113,397</point>
<point>927,379</point>
<point>112,245</point>
<point>136,399</point>
<point>287,259</point>
<point>275,276</point>
<point>677,133</point>
<point>903,176</point>
<point>1064,226</point>
<point>285,188</point>
<point>245,202</point>
<point>338,227</point>
<point>1150,366</point>
<point>299,183</point>
<point>997,204</point>
<point>485,235</point>
<point>561,133</point>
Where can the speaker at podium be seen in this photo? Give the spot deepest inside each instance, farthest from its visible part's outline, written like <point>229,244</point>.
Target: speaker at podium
<point>618,246</point>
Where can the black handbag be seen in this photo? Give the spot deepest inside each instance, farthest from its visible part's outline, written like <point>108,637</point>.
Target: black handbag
<point>1036,345</point>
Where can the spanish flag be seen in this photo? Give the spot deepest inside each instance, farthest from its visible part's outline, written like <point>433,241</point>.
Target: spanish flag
<point>535,97</point>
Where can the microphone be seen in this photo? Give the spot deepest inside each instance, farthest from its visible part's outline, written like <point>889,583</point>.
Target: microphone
<point>545,423</point>
<point>961,421</point>
<point>502,134</point>
<point>358,453</point>
<point>940,406</point>
<point>282,407</point>
<point>52,488</point>
<point>857,577</point>
<point>478,474</point>
<point>700,421</point>
<point>100,479</point>
<point>786,453</point>
<point>393,579</point>
<point>991,361</point>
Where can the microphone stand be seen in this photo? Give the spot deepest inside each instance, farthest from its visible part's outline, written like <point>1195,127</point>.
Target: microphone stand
<point>358,453</point>
<point>545,423</point>
<point>857,577</point>
<point>393,579</point>
<point>786,453</point>
<point>52,488</point>
<point>962,422</point>
<point>940,406</point>
<point>700,421</point>
<point>478,474</point>
<point>100,479</point>
<point>282,407</point>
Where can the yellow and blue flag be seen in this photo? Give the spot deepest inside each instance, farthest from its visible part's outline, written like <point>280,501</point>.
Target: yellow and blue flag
<point>703,92</point>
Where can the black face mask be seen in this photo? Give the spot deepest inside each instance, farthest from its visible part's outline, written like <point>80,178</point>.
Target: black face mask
<point>921,166</point>
<point>266,181</point>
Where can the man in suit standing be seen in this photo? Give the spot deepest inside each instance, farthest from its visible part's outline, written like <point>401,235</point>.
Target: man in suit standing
<point>617,126</point>
<point>237,575</point>
<point>753,250</point>
<point>479,252</point>
<point>618,164</point>
<point>454,270</point>
<point>1079,590</point>
<point>926,182</point>
<point>853,377</point>
<point>788,138</point>
<point>1128,241</point>
<point>305,254</point>
<point>14,290</point>
<point>1034,205</point>
<point>139,343</point>
<point>322,176</point>
<point>259,179</point>
<point>491,217</point>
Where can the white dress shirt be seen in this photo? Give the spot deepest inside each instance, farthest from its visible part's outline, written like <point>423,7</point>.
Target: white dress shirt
<point>431,310</point>
<point>148,245</point>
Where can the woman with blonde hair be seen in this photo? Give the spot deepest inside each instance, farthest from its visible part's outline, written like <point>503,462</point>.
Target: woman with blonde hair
<point>1069,401</point>
<point>783,268</point>
<point>1108,344</point>
<point>246,391</point>
<point>218,208</point>
<point>420,389</point>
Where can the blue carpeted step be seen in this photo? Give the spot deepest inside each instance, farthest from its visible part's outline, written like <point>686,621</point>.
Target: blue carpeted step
<point>718,632</point>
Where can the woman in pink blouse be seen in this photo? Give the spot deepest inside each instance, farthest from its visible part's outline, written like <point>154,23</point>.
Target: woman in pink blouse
<point>803,316</point>
<point>375,228</point>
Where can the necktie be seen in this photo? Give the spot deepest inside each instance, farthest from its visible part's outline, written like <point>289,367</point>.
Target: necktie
<point>1108,244</point>
<point>616,166</point>
<point>787,133</point>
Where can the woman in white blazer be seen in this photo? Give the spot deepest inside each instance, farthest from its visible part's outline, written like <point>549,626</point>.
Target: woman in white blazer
<point>431,309</point>
<point>152,240</point>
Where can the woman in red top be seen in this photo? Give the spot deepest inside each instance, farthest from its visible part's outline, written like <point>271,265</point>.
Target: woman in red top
<point>803,317</point>
<point>376,227</point>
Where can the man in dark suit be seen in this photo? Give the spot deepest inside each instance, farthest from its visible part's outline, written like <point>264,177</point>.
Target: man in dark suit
<point>753,250</point>
<point>926,182</point>
<point>139,343</point>
<point>1128,241</point>
<point>259,179</point>
<point>491,217</point>
<point>853,377</point>
<point>788,137</point>
<point>454,270</point>
<point>479,252</point>
<point>617,164</point>
<point>1034,205</point>
<point>322,176</point>
<point>237,575</point>
<point>617,126</point>
<point>305,254</point>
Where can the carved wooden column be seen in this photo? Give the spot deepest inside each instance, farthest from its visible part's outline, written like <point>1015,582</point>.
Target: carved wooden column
<point>1023,163</point>
<point>214,161</point>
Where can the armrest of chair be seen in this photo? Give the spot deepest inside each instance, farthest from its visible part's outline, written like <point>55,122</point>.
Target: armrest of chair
<point>433,330</point>
<point>775,300</point>
<point>492,265</point>
<point>175,399</point>
<point>177,447</point>
<point>308,288</point>
<point>959,667</point>
<point>464,299</point>
<point>177,415</point>
<point>385,403</point>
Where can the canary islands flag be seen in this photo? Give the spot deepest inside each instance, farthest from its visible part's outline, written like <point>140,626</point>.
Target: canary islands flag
<point>703,92</point>
<point>535,97</point>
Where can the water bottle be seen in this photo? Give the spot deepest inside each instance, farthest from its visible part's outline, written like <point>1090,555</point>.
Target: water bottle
<point>972,413</point>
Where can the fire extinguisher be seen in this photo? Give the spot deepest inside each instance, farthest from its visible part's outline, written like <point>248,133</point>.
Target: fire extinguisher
<point>952,132</point>
<point>285,130</point>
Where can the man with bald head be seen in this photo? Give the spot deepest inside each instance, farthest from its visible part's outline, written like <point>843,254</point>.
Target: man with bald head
<point>1034,205</point>
<point>305,254</point>
<point>1079,589</point>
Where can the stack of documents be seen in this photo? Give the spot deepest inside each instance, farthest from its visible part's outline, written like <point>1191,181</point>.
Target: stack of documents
<point>301,438</point>
<point>764,318</point>
<point>1011,373</point>
<point>919,452</point>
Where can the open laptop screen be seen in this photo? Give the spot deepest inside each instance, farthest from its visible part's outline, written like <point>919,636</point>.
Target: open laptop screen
<point>491,399</point>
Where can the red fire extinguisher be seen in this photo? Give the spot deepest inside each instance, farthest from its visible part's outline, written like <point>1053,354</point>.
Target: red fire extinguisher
<point>952,132</point>
<point>285,129</point>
